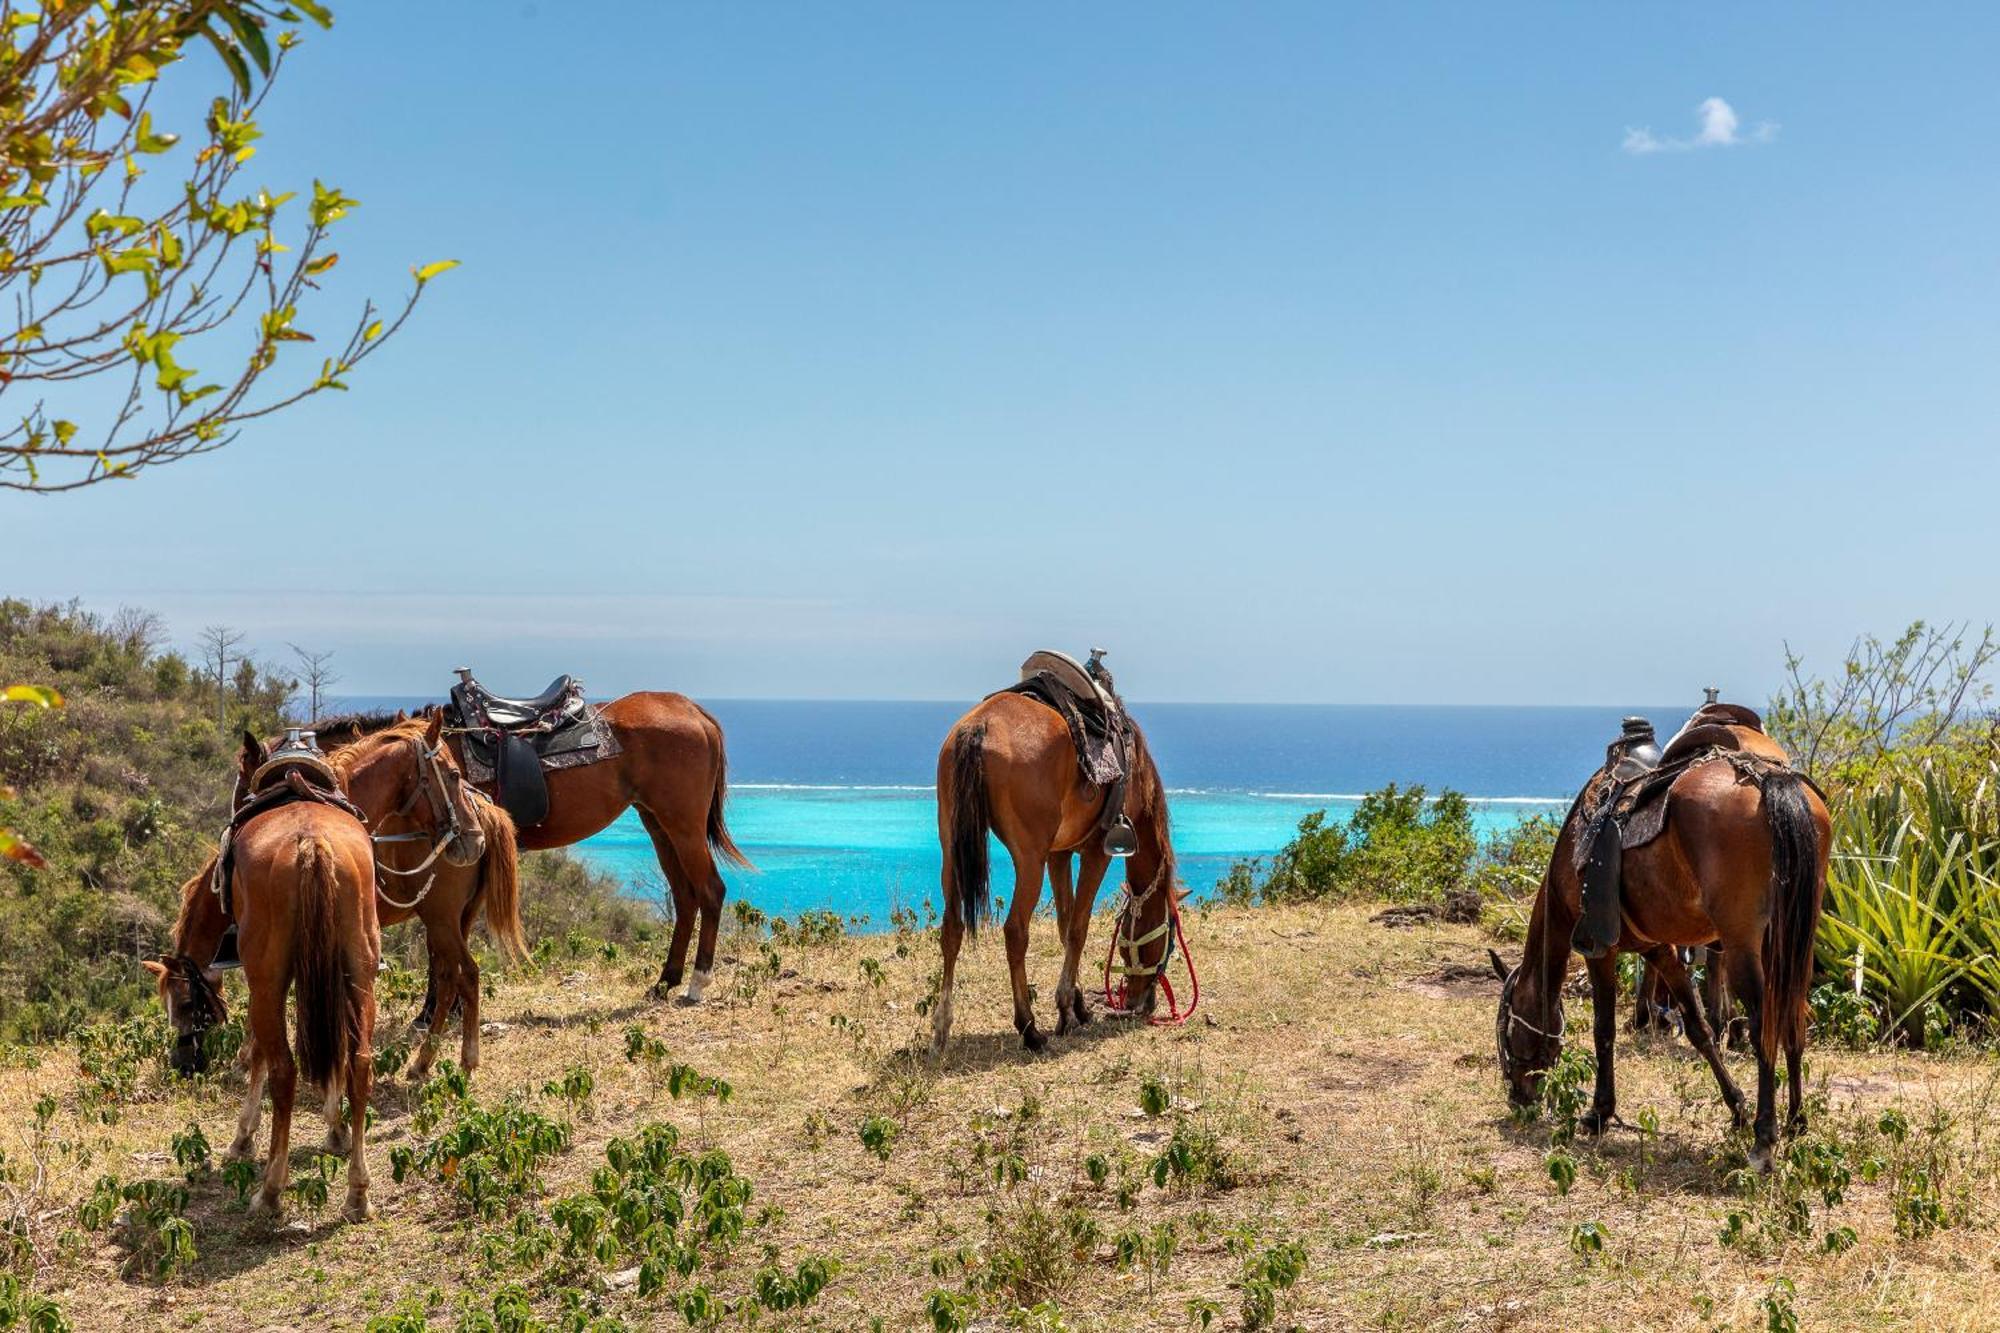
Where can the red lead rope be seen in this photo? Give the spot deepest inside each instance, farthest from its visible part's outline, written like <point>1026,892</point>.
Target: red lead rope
<point>1115,998</point>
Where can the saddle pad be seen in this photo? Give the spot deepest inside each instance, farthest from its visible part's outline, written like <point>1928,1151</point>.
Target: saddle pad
<point>1098,732</point>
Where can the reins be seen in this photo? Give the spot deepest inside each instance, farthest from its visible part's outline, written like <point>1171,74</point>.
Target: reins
<point>429,769</point>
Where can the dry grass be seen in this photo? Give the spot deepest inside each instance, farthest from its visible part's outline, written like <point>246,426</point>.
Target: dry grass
<point>1345,1070</point>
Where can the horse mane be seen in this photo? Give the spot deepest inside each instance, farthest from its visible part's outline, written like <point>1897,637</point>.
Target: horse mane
<point>347,728</point>
<point>191,896</point>
<point>1153,800</point>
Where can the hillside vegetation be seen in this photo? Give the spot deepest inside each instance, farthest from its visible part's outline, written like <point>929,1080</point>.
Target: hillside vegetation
<point>123,791</point>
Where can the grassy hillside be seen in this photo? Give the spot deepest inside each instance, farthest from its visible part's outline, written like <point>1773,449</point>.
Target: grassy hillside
<point>123,791</point>
<point>1326,1146</point>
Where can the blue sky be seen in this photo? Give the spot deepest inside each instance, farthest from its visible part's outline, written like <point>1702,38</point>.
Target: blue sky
<point>1294,352</point>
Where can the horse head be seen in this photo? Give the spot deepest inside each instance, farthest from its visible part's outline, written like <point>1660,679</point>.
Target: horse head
<point>194,1004</point>
<point>405,778</point>
<point>1527,1048</point>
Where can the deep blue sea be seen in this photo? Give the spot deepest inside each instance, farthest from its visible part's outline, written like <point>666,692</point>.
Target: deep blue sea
<point>833,800</point>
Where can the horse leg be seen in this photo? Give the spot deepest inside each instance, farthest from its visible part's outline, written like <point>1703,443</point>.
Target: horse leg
<point>438,1002</point>
<point>1027,892</point>
<point>244,1146</point>
<point>1746,979</point>
<point>360,1086</point>
<point>467,973</point>
<point>1071,1006</point>
<point>1673,973</point>
<point>709,891</point>
<point>1061,889</point>
<point>1734,1032</point>
<point>1604,1032</point>
<point>950,938</point>
<point>283,1075</point>
<point>336,1127</point>
<point>684,906</point>
<point>1646,1006</point>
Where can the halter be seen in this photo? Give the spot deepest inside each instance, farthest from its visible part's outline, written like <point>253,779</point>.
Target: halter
<point>430,774</point>
<point>1116,999</point>
<point>1509,1020</point>
<point>204,1008</point>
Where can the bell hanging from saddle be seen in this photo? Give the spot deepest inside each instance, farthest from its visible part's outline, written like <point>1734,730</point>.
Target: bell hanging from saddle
<point>1121,839</point>
<point>227,958</point>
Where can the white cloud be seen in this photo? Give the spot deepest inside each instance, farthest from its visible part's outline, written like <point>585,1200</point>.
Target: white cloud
<point>1720,127</point>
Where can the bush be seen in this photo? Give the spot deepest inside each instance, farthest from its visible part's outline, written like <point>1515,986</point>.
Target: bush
<point>1400,845</point>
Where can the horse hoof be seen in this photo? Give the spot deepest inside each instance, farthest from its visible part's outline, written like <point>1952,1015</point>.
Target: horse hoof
<point>357,1209</point>
<point>1032,1038</point>
<point>1763,1157</point>
<point>1593,1122</point>
<point>265,1205</point>
<point>336,1143</point>
<point>242,1150</point>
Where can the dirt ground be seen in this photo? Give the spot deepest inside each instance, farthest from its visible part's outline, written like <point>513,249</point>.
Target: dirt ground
<point>1338,1087</point>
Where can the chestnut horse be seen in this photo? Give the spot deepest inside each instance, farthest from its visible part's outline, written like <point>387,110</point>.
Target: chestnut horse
<point>423,815</point>
<point>417,814</point>
<point>1009,766</point>
<point>672,769</point>
<point>1741,865</point>
<point>302,887</point>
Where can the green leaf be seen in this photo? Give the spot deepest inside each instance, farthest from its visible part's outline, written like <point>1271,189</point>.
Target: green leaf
<point>237,69</point>
<point>251,35</point>
<point>44,696</point>
<point>429,271</point>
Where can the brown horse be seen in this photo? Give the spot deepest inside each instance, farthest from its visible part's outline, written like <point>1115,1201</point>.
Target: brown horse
<point>673,770</point>
<point>424,815</point>
<point>1741,865</point>
<point>1009,766</point>
<point>420,812</point>
<point>302,888</point>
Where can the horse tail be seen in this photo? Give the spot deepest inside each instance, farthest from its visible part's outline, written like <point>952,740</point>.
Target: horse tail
<point>719,840</point>
<point>329,1016</point>
<point>965,857</point>
<point>1794,919</point>
<point>500,877</point>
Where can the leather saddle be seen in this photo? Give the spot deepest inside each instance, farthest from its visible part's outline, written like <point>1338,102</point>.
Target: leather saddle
<point>1086,697</point>
<point>509,745</point>
<point>1625,803</point>
<point>295,770</point>
<point>562,700</point>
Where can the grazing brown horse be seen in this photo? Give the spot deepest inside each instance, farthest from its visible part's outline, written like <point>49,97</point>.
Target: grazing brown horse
<point>1009,766</point>
<point>673,770</point>
<point>1740,864</point>
<point>302,888</point>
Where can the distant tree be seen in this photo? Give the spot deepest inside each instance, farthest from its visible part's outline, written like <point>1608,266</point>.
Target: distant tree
<point>127,259</point>
<point>218,649</point>
<point>318,675</point>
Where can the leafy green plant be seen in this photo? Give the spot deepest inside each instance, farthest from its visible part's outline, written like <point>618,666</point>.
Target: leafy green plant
<point>878,1135</point>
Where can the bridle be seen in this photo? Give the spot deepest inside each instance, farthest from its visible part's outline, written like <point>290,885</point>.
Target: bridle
<point>1509,1020</point>
<point>430,786</point>
<point>1116,997</point>
<point>204,1008</point>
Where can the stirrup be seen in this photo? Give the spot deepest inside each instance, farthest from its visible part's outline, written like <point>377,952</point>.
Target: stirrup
<point>1120,840</point>
<point>227,959</point>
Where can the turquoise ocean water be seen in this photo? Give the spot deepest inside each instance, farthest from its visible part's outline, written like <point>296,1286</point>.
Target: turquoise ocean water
<point>833,800</point>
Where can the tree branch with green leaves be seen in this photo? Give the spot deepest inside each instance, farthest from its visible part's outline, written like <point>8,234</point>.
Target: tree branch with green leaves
<point>149,290</point>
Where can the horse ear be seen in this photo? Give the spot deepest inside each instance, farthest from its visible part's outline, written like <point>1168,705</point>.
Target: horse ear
<point>1499,968</point>
<point>157,966</point>
<point>402,715</point>
<point>253,755</point>
<point>434,729</point>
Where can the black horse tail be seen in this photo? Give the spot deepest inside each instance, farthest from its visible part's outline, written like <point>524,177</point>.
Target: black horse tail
<point>719,840</point>
<point>329,1017</point>
<point>966,890</point>
<point>1794,919</point>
